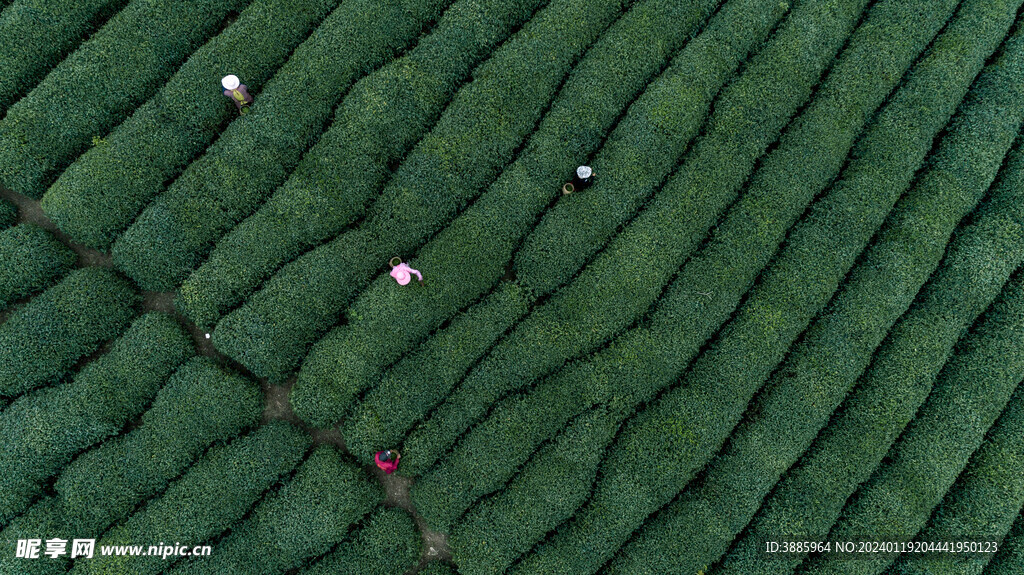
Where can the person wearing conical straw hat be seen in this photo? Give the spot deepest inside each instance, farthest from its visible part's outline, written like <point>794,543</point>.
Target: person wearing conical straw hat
<point>237,92</point>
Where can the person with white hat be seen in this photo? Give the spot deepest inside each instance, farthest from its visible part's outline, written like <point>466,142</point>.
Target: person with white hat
<point>237,91</point>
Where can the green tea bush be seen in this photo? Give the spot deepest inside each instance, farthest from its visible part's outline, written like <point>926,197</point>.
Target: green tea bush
<point>693,420</point>
<point>627,276</point>
<point>8,214</point>
<point>383,116</point>
<point>200,404</point>
<point>97,197</point>
<point>471,254</point>
<point>990,492</point>
<point>422,379</point>
<point>802,393</point>
<point>1010,559</point>
<point>99,84</point>
<point>608,77</point>
<point>643,361</point>
<point>898,498</point>
<point>43,339</point>
<point>43,430</point>
<point>35,35</point>
<point>550,488</point>
<point>388,543</point>
<point>209,498</point>
<point>31,260</point>
<point>303,519</point>
<point>977,264</point>
<point>478,134</point>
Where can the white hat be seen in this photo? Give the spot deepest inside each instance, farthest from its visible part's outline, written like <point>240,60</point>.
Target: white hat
<point>584,172</point>
<point>230,82</point>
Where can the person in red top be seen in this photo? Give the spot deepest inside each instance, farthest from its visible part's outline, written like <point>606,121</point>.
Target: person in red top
<point>387,460</point>
<point>237,91</point>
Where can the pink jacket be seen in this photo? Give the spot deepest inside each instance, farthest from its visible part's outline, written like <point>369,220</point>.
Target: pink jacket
<point>389,467</point>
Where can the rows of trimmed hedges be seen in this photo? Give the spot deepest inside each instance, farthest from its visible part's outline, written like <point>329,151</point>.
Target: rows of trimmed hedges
<point>388,543</point>
<point>897,499</point>
<point>43,430</point>
<point>423,378</point>
<point>200,405</point>
<point>259,151</point>
<point>625,278</point>
<point>44,339</point>
<point>99,85</point>
<point>8,214</point>
<point>478,134</point>
<point>244,257</point>
<point>383,117</point>
<point>802,393</point>
<point>898,380</point>
<point>1010,559</point>
<point>550,488</point>
<point>35,35</point>
<point>303,519</point>
<point>989,494</point>
<point>644,361</point>
<point>97,197</point>
<point>471,254</point>
<point>206,500</point>
<point>31,260</point>
<point>692,421</point>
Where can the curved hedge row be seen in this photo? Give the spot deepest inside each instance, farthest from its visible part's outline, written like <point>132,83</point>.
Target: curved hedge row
<point>97,197</point>
<point>550,488</point>
<point>477,135</point>
<point>383,116</point>
<point>99,84</point>
<point>35,35</point>
<point>423,378</point>
<point>802,393</point>
<point>43,339</point>
<point>198,406</point>
<point>471,254</point>
<point>303,519</point>
<point>388,543</point>
<point>234,268</point>
<point>209,498</point>
<point>1010,559</point>
<point>989,494</point>
<point>899,379</point>
<point>43,430</point>
<point>31,260</point>
<point>898,498</point>
<point>627,373</point>
<point>8,214</point>
<point>694,419</point>
<point>625,278</point>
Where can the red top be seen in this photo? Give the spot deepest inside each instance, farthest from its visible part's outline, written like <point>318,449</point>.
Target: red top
<point>388,466</point>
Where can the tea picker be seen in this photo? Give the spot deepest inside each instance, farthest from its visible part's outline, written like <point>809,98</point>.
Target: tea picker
<point>402,272</point>
<point>387,460</point>
<point>582,178</point>
<point>237,92</point>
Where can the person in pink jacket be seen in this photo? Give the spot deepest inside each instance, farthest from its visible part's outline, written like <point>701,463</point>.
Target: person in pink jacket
<point>402,272</point>
<point>237,92</point>
<point>387,460</point>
